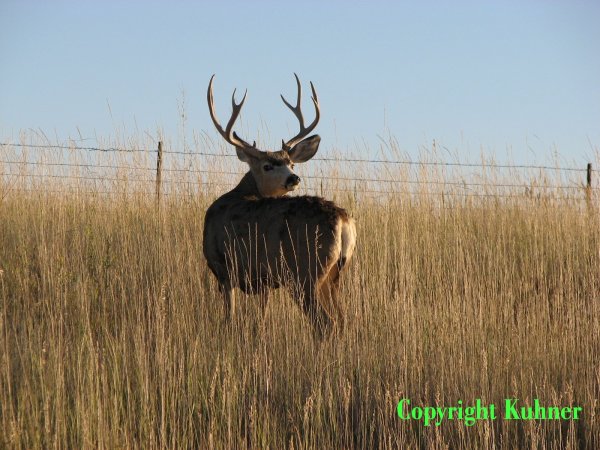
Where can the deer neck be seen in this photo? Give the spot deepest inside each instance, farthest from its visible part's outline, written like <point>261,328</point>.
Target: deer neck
<point>247,187</point>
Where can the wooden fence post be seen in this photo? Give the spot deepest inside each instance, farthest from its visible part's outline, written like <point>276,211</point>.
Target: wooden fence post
<point>158,172</point>
<point>588,187</point>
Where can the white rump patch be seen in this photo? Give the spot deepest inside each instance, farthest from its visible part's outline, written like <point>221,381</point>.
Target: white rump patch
<point>348,240</point>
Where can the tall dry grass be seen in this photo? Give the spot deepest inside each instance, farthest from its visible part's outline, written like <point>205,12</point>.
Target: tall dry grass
<point>112,333</point>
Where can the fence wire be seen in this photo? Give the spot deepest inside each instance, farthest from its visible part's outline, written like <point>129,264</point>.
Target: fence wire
<point>37,168</point>
<point>345,160</point>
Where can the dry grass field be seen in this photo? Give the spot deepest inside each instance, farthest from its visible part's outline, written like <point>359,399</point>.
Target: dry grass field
<point>112,332</point>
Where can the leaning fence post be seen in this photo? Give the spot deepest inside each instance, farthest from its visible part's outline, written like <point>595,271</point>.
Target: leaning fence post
<point>158,172</point>
<point>588,186</point>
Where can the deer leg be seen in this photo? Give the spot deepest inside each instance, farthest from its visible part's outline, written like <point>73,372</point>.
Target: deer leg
<point>318,315</point>
<point>263,302</point>
<point>328,300</point>
<point>228,301</point>
<point>328,296</point>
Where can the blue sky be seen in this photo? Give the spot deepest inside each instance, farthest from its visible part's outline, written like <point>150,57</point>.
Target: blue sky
<point>523,76</point>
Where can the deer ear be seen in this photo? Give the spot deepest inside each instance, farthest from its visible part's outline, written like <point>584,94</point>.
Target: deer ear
<point>243,155</point>
<point>304,150</point>
<point>247,152</point>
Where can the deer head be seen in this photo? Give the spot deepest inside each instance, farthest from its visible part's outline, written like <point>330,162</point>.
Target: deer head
<point>273,171</point>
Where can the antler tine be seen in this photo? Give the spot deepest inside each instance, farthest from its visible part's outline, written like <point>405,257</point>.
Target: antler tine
<point>297,110</point>
<point>227,134</point>
<point>235,111</point>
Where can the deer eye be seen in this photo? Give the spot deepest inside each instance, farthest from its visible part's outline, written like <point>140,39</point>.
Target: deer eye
<point>267,167</point>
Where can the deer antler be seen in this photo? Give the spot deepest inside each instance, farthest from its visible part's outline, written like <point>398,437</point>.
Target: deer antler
<point>297,110</point>
<point>228,134</point>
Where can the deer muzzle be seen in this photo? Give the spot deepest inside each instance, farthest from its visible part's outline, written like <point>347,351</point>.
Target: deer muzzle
<point>292,182</point>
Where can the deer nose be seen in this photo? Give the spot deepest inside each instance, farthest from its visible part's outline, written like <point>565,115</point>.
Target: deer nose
<point>293,180</point>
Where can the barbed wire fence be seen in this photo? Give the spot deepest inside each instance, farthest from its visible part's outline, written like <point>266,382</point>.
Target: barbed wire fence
<point>579,187</point>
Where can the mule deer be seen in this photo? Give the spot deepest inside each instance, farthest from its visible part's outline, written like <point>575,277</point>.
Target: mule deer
<point>257,239</point>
